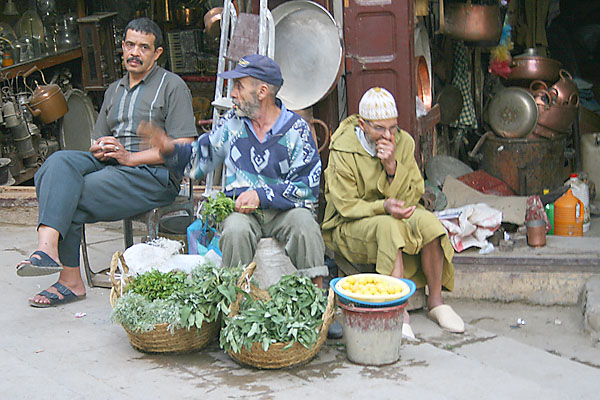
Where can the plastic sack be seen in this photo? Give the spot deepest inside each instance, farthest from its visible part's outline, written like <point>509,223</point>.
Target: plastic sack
<point>203,238</point>
<point>164,255</point>
<point>470,225</point>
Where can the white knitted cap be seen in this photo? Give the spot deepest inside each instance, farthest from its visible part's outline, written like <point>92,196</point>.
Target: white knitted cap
<point>377,104</point>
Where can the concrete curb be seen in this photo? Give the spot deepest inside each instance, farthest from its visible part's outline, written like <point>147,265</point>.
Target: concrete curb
<point>591,307</point>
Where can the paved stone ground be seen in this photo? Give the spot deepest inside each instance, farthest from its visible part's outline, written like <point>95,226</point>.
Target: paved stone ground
<point>50,353</point>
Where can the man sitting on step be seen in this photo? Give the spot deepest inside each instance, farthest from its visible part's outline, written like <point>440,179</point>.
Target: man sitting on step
<point>372,188</point>
<point>273,169</point>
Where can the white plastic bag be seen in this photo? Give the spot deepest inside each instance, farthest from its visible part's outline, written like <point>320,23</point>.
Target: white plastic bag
<point>470,225</point>
<point>164,255</point>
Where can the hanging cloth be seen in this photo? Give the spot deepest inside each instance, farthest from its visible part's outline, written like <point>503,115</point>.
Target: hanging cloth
<point>462,80</point>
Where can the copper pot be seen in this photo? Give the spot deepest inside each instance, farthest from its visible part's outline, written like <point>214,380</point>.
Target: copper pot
<point>555,117</point>
<point>529,66</point>
<point>473,23</point>
<point>536,233</point>
<point>47,102</point>
<point>543,93</point>
<point>566,90</point>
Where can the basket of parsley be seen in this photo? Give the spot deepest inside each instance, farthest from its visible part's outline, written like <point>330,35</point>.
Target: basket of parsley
<point>172,312</point>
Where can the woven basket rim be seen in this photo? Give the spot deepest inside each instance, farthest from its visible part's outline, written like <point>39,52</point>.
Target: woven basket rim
<point>275,357</point>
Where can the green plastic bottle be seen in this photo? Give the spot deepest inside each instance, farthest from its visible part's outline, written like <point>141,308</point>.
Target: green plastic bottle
<point>550,213</point>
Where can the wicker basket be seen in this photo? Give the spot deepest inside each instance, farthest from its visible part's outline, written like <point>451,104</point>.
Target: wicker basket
<point>160,339</point>
<point>276,357</point>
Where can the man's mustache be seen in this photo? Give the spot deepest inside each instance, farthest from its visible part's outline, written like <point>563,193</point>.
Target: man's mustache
<point>134,58</point>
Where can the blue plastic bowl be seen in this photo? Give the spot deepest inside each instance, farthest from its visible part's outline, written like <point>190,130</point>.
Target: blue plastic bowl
<point>348,300</point>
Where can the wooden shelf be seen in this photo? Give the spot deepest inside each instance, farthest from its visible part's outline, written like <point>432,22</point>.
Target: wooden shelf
<point>41,63</point>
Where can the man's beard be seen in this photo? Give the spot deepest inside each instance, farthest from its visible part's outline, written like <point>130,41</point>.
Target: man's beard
<point>249,109</point>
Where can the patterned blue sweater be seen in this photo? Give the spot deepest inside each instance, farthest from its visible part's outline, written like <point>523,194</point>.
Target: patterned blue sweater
<point>284,170</point>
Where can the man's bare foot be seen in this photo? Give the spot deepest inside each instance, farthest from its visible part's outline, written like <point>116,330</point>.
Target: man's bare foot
<point>70,278</point>
<point>49,252</point>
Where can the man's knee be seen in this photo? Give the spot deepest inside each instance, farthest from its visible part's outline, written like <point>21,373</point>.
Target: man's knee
<point>237,229</point>
<point>55,159</point>
<point>59,160</point>
<point>301,223</point>
<point>386,227</point>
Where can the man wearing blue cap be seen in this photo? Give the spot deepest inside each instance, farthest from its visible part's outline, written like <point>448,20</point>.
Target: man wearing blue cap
<point>272,164</point>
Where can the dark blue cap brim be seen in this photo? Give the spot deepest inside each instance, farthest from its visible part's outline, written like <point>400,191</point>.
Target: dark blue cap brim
<point>233,74</point>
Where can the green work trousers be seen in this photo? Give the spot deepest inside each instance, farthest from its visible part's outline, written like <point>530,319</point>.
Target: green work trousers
<point>296,228</point>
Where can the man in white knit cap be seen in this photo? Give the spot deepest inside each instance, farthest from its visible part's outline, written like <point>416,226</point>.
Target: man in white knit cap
<point>372,187</point>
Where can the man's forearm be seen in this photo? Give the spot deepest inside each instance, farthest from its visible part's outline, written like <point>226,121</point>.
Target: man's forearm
<point>152,156</point>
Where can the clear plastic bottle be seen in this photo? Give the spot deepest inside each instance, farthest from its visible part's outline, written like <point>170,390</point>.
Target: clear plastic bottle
<point>582,192</point>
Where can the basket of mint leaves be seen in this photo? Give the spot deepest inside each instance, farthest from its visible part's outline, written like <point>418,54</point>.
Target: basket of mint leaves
<point>173,312</point>
<point>283,327</point>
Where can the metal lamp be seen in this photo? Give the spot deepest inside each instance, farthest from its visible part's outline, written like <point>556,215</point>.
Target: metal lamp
<point>10,8</point>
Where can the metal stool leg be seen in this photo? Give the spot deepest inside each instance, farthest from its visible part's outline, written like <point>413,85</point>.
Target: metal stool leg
<point>86,261</point>
<point>128,232</point>
<point>94,279</point>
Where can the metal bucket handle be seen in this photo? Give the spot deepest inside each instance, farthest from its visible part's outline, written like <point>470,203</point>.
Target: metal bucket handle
<point>537,82</point>
<point>564,74</point>
<point>539,98</point>
<point>573,100</point>
<point>473,153</point>
<point>326,135</point>
<point>31,71</point>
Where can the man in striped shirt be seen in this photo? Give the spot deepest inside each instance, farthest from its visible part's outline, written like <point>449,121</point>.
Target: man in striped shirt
<point>116,178</point>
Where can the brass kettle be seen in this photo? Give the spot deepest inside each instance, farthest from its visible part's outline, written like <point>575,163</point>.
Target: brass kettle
<point>47,102</point>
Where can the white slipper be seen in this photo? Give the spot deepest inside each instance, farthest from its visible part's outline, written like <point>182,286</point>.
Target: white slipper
<point>447,319</point>
<point>407,331</point>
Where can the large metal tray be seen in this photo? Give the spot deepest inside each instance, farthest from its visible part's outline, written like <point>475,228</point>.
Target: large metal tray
<point>309,51</point>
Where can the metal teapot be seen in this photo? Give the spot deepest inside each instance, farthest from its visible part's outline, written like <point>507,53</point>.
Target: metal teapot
<point>47,102</point>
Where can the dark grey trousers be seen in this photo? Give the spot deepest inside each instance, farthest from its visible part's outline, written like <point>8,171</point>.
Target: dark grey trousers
<point>74,188</point>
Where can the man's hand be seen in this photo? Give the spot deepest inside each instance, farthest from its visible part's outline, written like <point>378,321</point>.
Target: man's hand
<point>153,136</point>
<point>247,202</point>
<point>385,152</point>
<point>108,147</point>
<point>396,209</point>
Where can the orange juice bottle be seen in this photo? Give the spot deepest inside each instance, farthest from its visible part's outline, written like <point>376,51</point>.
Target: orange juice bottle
<point>568,215</point>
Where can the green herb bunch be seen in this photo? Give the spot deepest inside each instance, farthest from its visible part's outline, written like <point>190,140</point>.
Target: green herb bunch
<point>293,314</point>
<point>175,298</point>
<point>208,293</point>
<point>138,314</point>
<point>158,285</point>
<point>218,208</point>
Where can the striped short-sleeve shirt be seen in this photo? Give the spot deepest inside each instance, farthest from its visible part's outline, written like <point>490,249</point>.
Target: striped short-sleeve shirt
<point>161,97</point>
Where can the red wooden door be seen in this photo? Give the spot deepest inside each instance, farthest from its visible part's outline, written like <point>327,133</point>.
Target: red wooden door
<point>378,37</point>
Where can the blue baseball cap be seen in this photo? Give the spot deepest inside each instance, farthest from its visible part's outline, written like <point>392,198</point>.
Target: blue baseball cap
<point>256,66</point>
